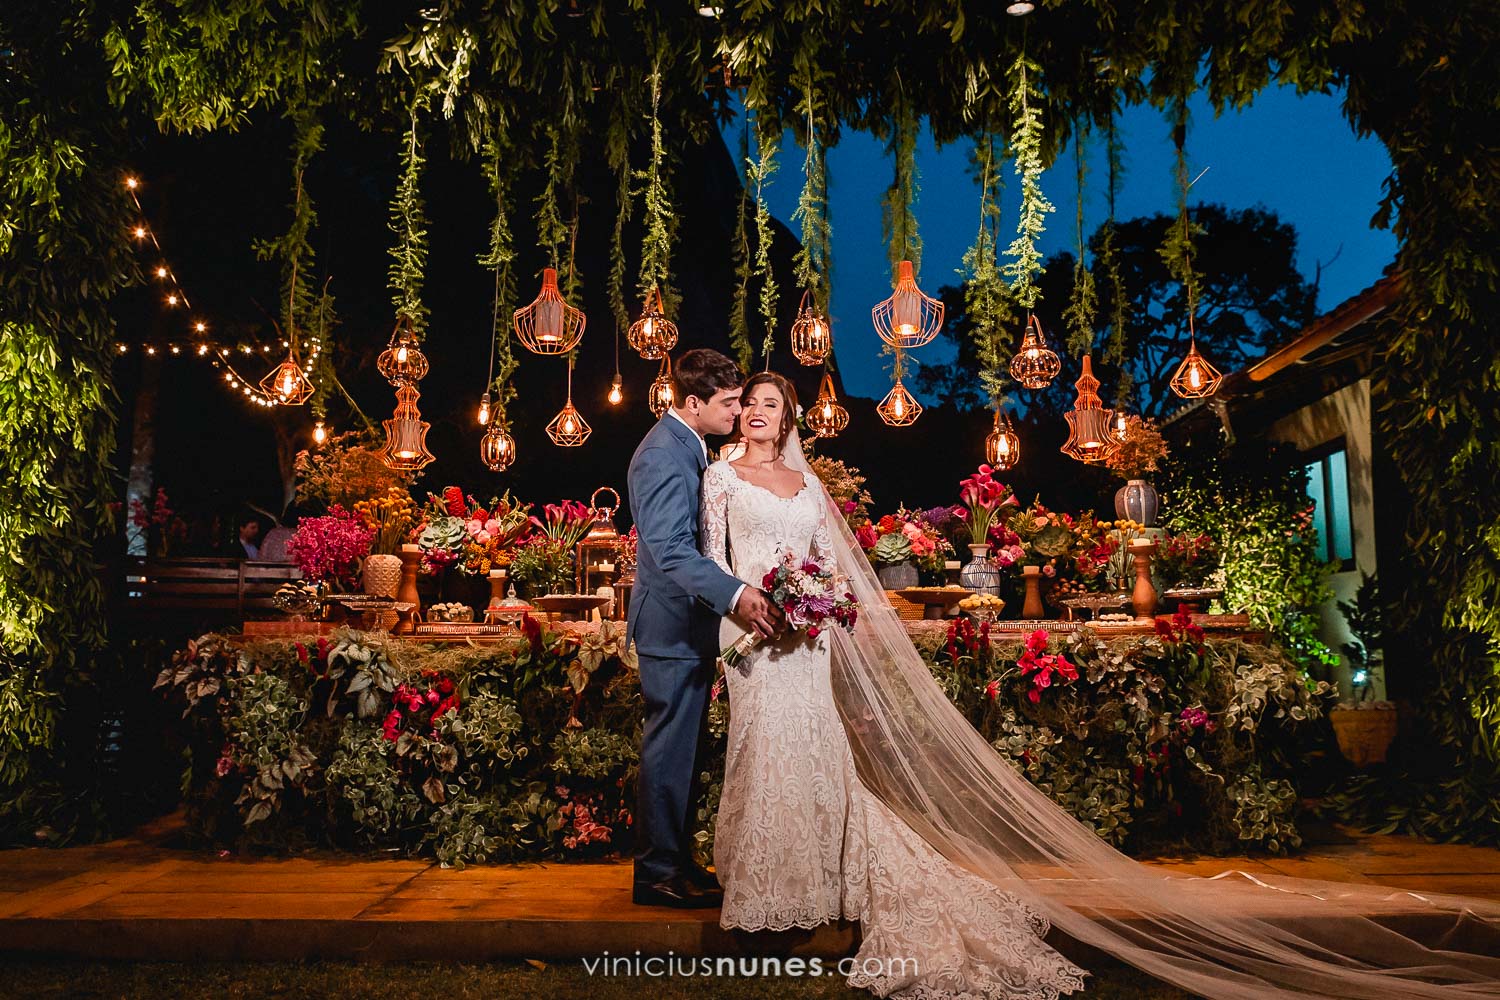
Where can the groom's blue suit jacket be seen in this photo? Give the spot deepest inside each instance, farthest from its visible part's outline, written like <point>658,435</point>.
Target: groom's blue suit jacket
<point>680,594</point>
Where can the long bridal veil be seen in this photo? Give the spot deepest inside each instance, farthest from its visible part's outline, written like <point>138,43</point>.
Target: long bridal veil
<point>1234,936</point>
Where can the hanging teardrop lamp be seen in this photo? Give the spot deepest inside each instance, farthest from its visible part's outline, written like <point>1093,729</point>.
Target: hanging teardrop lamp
<point>811,337</point>
<point>662,395</point>
<point>1035,364</point>
<point>827,417</point>
<point>1002,446</point>
<point>568,429</point>
<point>910,317</point>
<point>1089,438</point>
<point>1195,377</point>
<point>653,335</point>
<point>549,325</point>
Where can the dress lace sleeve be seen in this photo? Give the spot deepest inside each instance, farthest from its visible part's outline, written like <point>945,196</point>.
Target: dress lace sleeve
<point>821,549</point>
<point>715,508</point>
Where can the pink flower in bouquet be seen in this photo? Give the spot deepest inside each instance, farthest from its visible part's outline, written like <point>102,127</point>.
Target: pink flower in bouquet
<point>1049,570</point>
<point>329,548</point>
<point>810,598</point>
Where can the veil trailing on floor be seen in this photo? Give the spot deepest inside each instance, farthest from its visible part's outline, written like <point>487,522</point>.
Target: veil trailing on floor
<point>1234,936</point>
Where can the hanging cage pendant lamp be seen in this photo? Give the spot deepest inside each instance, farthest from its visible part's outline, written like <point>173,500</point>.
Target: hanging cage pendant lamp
<point>827,417</point>
<point>286,384</point>
<point>497,449</point>
<point>910,317</point>
<point>1089,434</point>
<point>568,429</point>
<point>549,325</point>
<point>1195,377</point>
<point>406,434</point>
<point>402,362</point>
<point>1002,446</point>
<point>653,335</point>
<point>811,336</point>
<point>662,395</point>
<point>1035,364</point>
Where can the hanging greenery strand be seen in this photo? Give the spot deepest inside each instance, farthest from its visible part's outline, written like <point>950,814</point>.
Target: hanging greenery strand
<point>409,224</point>
<point>1177,251</point>
<point>499,172</point>
<point>656,247</point>
<point>1025,265</point>
<point>1108,259</point>
<point>551,230</point>
<point>903,242</point>
<point>813,256</point>
<point>767,143</point>
<point>739,310</point>
<point>1083,303</point>
<point>986,299</point>
<point>617,149</point>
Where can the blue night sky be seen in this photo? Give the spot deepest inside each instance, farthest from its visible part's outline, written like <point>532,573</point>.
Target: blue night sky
<point>1296,156</point>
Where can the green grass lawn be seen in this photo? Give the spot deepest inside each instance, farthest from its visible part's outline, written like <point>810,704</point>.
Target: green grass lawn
<point>35,979</point>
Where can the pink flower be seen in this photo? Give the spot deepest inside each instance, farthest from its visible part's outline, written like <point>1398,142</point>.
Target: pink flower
<point>867,536</point>
<point>1049,570</point>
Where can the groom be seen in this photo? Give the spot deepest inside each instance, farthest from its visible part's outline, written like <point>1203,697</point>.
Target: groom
<point>679,597</point>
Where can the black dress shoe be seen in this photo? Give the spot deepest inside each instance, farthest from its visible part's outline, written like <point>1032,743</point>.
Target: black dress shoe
<point>677,892</point>
<point>700,876</point>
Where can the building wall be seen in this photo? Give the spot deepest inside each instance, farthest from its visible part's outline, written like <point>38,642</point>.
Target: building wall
<point>1343,414</point>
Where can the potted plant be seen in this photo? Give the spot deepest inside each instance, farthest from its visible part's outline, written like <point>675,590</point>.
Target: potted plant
<point>389,519</point>
<point>1139,451</point>
<point>542,565</point>
<point>1364,726</point>
<point>981,497</point>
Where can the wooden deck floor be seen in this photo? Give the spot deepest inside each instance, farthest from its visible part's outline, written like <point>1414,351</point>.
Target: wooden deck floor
<point>139,899</point>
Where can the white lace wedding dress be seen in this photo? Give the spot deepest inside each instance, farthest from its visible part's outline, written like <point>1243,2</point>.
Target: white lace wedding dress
<point>800,841</point>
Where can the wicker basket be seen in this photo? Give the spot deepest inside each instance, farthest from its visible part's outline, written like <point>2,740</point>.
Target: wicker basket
<point>908,611</point>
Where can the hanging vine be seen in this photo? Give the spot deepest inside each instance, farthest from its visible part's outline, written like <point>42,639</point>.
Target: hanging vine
<point>551,230</point>
<point>1025,265</point>
<point>1108,260</point>
<point>1083,303</point>
<point>814,257</point>
<point>986,299</point>
<point>903,242</point>
<point>656,246</point>
<point>499,171</point>
<point>617,152</point>
<point>767,143</point>
<point>1177,251</point>
<point>409,224</point>
<point>739,309</point>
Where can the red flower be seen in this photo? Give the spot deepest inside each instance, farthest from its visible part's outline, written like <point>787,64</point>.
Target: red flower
<point>533,632</point>
<point>867,536</point>
<point>453,499</point>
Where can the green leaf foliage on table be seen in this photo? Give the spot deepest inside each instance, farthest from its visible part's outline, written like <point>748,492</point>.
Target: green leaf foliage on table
<point>501,753</point>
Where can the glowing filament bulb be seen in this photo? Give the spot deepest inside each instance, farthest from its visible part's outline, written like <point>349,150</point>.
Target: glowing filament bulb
<point>650,328</point>
<point>288,386</point>
<point>898,407</point>
<point>484,409</point>
<point>131,183</point>
<point>320,433</point>
<point>200,326</point>
<point>1195,377</point>
<point>139,232</point>
<point>401,355</point>
<point>161,272</point>
<point>1004,444</point>
<point>615,392</point>
<point>172,299</point>
<point>568,426</point>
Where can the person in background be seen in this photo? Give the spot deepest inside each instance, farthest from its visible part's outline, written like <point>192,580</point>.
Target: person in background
<point>246,544</point>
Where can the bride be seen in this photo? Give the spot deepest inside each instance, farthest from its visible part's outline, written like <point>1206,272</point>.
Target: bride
<point>854,789</point>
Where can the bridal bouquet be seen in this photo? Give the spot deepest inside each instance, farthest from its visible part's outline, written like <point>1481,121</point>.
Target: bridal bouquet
<point>811,597</point>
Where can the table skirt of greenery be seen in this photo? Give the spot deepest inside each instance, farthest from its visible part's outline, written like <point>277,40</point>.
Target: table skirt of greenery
<point>527,749</point>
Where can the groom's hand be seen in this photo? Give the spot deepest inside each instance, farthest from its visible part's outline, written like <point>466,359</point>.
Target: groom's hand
<point>756,608</point>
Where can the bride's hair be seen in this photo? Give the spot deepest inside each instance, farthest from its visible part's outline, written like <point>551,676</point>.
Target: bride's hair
<point>788,399</point>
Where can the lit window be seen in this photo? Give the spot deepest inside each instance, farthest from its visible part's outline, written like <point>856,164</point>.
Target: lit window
<point>1328,486</point>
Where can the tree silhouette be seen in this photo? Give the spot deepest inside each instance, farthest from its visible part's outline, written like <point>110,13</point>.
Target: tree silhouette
<point>1252,298</point>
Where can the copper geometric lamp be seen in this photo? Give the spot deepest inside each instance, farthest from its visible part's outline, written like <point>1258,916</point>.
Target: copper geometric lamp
<point>811,340</point>
<point>568,429</point>
<point>1035,364</point>
<point>910,317</point>
<point>826,417</point>
<point>653,335</point>
<point>1195,377</point>
<point>286,384</point>
<point>1089,436</point>
<point>899,408</point>
<point>549,325</point>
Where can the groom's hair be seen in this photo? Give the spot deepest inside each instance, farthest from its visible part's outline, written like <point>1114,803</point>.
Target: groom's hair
<point>702,372</point>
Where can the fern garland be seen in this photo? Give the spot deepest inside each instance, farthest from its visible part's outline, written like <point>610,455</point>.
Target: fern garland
<point>499,172</point>
<point>767,144</point>
<point>813,259</point>
<point>409,224</point>
<point>1108,259</point>
<point>1177,251</point>
<point>898,216</point>
<point>656,245</point>
<point>1025,265</point>
<point>739,309</point>
<point>986,299</point>
<point>1083,303</point>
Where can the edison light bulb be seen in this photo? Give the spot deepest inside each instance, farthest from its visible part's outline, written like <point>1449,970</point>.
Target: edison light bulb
<point>1004,445</point>
<point>615,393</point>
<point>287,385</point>
<point>567,425</point>
<point>401,355</point>
<point>649,330</point>
<point>320,433</point>
<point>140,232</point>
<point>1195,377</point>
<point>899,407</point>
<point>484,410</point>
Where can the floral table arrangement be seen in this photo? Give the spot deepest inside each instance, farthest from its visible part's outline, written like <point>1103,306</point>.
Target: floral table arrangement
<point>1138,452</point>
<point>330,549</point>
<point>904,547</point>
<point>389,518</point>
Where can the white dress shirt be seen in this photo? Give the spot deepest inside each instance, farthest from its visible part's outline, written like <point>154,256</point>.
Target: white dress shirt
<point>672,411</point>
